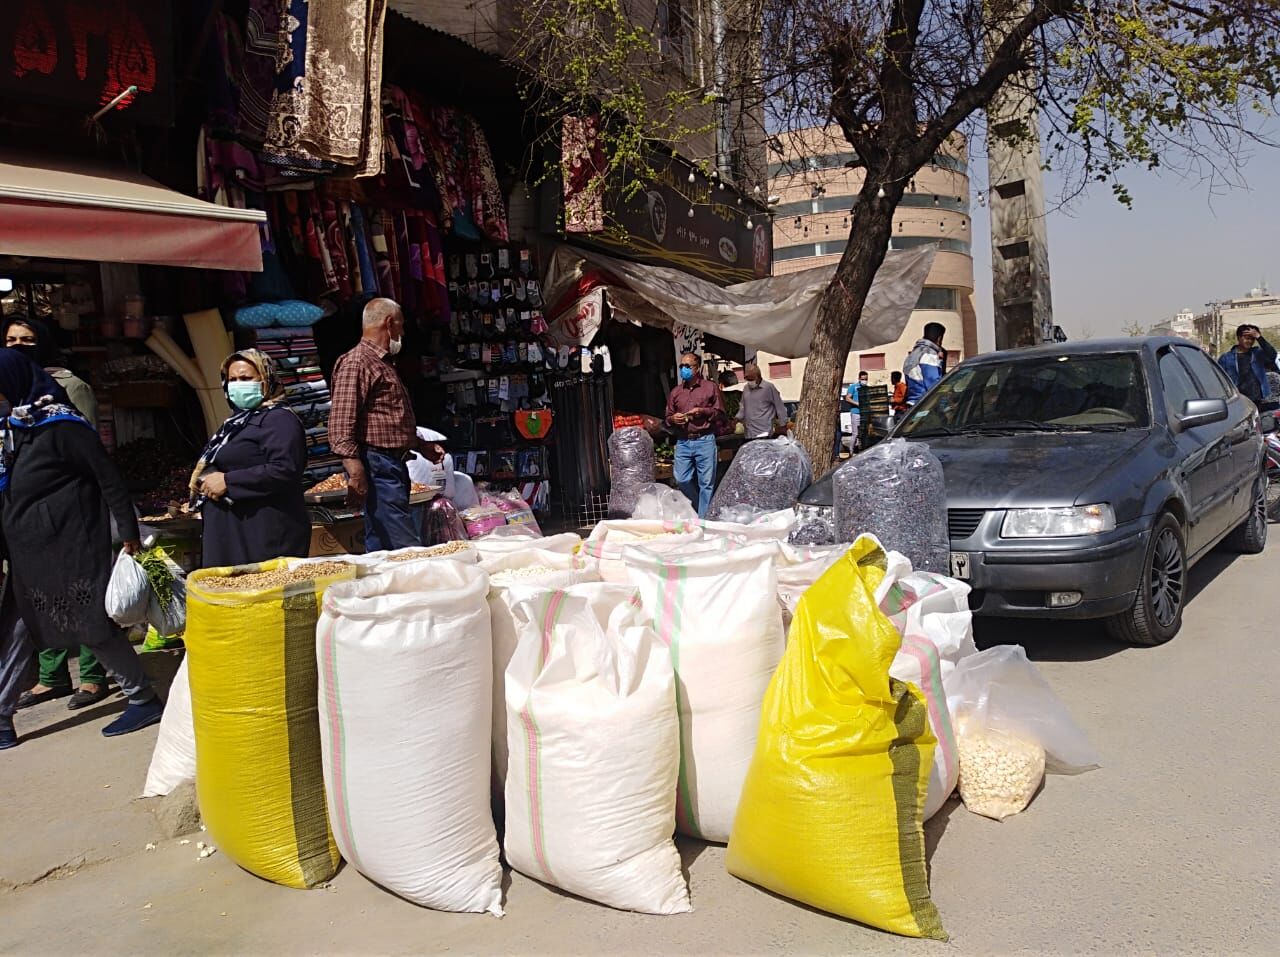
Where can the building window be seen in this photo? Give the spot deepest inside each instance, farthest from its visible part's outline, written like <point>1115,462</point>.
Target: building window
<point>779,370</point>
<point>871,362</point>
<point>675,32</point>
<point>933,297</point>
<point>949,245</point>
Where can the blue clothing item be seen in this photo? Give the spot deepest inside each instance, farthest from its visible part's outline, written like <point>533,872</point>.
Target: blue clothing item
<point>388,521</point>
<point>695,470</point>
<point>922,369</point>
<point>1262,358</point>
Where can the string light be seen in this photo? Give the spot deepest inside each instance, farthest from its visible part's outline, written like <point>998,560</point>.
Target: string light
<point>880,193</point>
<point>692,177</point>
<point>691,212</point>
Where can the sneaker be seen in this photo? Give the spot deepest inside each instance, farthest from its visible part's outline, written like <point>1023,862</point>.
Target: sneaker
<point>8,736</point>
<point>135,718</point>
<point>29,699</point>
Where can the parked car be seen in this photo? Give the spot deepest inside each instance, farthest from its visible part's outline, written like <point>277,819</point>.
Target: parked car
<point>1084,479</point>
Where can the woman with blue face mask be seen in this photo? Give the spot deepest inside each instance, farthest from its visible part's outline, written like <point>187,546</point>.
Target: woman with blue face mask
<point>248,483</point>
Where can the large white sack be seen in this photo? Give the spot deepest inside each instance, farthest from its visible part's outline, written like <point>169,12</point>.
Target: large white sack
<point>769,527</point>
<point>798,568</point>
<point>510,581</point>
<point>610,538</point>
<point>490,546</point>
<point>716,608</point>
<point>173,762</point>
<point>595,744</point>
<point>406,685</point>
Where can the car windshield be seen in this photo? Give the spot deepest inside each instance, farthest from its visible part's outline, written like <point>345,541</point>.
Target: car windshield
<point>1086,393</point>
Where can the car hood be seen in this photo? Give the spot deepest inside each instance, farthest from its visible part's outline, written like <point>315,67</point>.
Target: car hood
<point>1030,468</point>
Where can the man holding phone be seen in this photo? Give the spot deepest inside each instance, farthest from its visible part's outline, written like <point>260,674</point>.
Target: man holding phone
<point>693,409</point>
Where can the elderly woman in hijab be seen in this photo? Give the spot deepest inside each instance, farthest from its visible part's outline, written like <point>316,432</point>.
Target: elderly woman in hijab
<point>248,483</point>
<point>58,492</point>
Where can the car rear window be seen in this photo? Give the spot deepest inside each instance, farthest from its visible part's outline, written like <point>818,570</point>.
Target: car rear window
<point>1084,392</point>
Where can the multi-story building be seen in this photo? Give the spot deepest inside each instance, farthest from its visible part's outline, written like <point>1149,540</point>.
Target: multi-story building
<point>1216,326</point>
<point>815,187</point>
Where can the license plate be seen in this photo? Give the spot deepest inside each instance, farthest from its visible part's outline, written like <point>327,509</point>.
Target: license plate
<point>960,565</point>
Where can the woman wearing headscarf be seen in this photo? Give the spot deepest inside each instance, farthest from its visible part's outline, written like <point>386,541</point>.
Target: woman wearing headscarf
<point>35,340</point>
<point>58,492</point>
<point>248,483</point>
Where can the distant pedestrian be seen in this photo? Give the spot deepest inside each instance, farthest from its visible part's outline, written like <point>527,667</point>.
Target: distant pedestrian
<point>762,411</point>
<point>1248,363</point>
<point>898,401</point>
<point>926,364</point>
<point>372,429</point>
<point>694,408</point>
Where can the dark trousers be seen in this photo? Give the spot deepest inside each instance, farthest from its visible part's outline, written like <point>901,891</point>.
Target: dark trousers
<point>388,523</point>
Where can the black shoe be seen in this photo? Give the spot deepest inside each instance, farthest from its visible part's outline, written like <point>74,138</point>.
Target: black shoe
<point>29,699</point>
<point>135,718</point>
<point>82,698</point>
<point>8,736</point>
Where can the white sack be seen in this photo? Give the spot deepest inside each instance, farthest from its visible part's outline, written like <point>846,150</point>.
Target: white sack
<point>609,539</point>
<point>173,762</point>
<point>560,571</point>
<point>716,608</point>
<point>502,543</point>
<point>405,689</point>
<point>591,719</point>
<point>769,527</point>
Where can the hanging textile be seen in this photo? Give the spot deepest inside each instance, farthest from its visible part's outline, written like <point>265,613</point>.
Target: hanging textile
<point>581,166</point>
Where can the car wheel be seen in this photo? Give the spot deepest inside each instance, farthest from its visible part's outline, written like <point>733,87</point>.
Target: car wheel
<point>1273,495</point>
<point>1156,614</point>
<point>1250,536</point>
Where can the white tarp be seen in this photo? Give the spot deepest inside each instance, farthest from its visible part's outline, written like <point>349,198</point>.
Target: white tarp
<point>775,315</point>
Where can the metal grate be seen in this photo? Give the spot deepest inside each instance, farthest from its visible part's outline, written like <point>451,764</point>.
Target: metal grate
<point>963,522</point>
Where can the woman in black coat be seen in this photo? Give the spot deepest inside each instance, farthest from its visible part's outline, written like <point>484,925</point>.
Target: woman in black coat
<point>58,492</point>
<point>248,483</point>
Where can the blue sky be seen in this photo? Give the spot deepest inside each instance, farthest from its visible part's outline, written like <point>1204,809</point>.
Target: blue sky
<point>1177,247</point>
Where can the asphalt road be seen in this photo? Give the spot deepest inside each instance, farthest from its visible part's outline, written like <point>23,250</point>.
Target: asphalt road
<point>1169,848</point>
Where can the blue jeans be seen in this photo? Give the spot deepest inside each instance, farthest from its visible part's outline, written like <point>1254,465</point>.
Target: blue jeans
<point>388,523</point>
<point>695,470</point>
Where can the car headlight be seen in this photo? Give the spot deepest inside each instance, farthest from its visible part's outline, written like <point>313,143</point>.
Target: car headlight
<point>1057,522</point>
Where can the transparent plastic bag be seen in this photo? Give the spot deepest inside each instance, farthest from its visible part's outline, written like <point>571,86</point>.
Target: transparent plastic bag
<point>662,503</point>
<point>767,474</point>
<point>128,592</point>
<point>896,492</point>
<point>441,523</point>
<point>815,525</point>
<point>632,466</point>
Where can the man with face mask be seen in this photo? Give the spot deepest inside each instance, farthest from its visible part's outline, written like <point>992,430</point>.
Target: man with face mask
<point>693,410</point>
<point>372,429</point>
<point>761,406</point>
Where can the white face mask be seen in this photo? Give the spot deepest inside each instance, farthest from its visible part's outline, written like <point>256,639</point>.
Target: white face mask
<point>394,347</point>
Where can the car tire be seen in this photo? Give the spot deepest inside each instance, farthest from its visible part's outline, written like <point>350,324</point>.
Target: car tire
<point>1250,536</point>
<point>1156,614</point>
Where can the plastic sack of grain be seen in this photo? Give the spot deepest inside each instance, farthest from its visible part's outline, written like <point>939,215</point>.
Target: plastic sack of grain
<point>815,526</point>
<point>483,519</point>
<point>595,745</point>
<point>798,568</point>
<point>408,787</point>
<point>896,492</point>
<point>715,606</point>
<point>767,474</point>
<point>631,466</point>
<point>757,525</point>
<point>505,542</point>
<point>609,539</point>
<point>251,653</point>
<point>173,762</point>
<point>1004,712</point>
<point>514,577</point>
<point>831,812</point>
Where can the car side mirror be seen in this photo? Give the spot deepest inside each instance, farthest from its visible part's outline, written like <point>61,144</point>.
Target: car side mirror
<point>1202,412</point>
<point>1267,423</point>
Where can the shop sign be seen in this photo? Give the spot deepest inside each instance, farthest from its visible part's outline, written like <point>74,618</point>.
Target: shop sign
<point>578,324</point>
<point>85,53</point>
<point>654,226</point>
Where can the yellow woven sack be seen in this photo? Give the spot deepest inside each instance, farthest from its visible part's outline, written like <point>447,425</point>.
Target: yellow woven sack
<point>832,810</point>
<point>259,777</point>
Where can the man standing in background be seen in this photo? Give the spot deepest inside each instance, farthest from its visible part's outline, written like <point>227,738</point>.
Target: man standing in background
<point>926,364</point>
<point>761,406</point>
<point>898,397</point>
<point>371,427</point>
<point>693,409</point>
<point>1248,363</point>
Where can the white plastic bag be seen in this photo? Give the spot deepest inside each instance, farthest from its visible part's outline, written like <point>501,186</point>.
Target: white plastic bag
<point>170,618</point>
<point>662,503</point>
<point>514,577</point>
<point>173,762</point>
<point>128,592</point>
<point>715,606</point>
<point>595,744</point>
<point>406,684</point>
<point>1002,706</point>
<point>609,539</point>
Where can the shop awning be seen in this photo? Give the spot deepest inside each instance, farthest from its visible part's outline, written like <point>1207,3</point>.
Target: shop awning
<point>59,208</point>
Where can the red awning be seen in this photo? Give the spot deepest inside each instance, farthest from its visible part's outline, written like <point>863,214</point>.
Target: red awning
<point>60,208</point>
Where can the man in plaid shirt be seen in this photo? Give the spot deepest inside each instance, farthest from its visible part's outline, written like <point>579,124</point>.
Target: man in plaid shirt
<point>371,427</point>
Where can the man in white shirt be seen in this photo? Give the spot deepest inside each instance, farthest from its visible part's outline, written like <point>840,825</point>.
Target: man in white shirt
<point>761,406</point>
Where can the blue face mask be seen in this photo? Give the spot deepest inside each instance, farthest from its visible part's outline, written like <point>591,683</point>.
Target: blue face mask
<point>245,395</point>
<point>686,374</point>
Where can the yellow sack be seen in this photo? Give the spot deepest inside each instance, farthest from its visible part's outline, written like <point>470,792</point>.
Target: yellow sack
<point>832,810</point>
<point>259,778</point>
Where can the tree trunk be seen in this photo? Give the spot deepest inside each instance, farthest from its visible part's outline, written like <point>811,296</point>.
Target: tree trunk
<point>838,315</point>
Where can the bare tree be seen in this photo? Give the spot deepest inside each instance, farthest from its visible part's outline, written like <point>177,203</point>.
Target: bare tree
<point>1183,83</point>
<point>1133,328</point>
